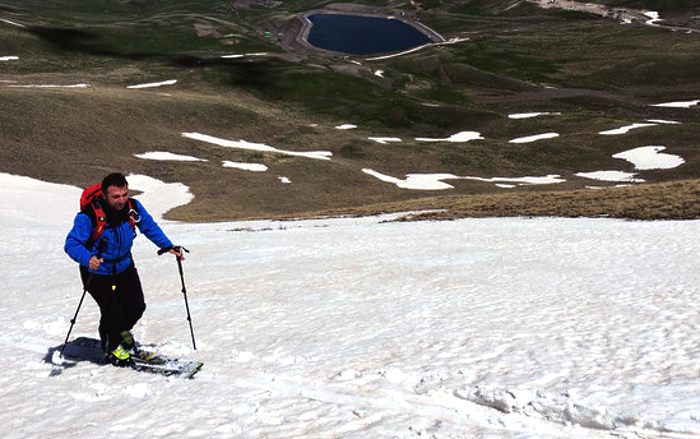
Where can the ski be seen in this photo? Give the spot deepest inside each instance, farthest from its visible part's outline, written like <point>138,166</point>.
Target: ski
<point>152,362</point>
<point>89,349</point>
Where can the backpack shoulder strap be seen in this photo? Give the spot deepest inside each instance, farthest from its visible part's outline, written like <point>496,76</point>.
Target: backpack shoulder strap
<point>97,214</point>
<point>134,214</point>
<point>99,220</point>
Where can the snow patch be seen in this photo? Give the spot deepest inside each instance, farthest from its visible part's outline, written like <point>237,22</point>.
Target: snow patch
<point>663,121</point>
<point>533,114</point>
<point>159,197</point>
<point>254,167</point>
<point>81,85</point>
<point>153,84</point>
<point>346,126</point>
<point>680,104</point>
<point>626,129</point>
<point>614,176</point>
<point>384,140</point>
<point>242,55</point>
<point>461,137</point>
<point>650,157</point>
<point>547,179</point>
<point>434,181</point>
<point>654,17</point>
<point>534,138</point>
<point>9,58</point>
<point>167,156</point>
<point>415,181</point>
<point>13,23</point>
<point>242,144</point>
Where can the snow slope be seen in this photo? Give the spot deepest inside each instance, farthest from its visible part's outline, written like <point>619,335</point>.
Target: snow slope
<point>354,328</point>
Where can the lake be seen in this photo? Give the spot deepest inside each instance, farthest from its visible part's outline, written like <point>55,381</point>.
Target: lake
<point>361,35</point>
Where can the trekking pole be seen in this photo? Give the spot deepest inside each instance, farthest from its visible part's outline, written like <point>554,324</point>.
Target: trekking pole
<point>100,248</point>
<point>184,290</point>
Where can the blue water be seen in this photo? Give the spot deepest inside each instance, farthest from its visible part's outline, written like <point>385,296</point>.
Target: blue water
<point>358,35</point>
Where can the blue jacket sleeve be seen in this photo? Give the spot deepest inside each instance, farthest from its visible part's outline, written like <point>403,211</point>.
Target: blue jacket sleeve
<point>151,229</point>
<point>77,238</point>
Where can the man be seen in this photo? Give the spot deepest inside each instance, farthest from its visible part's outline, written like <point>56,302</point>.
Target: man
<point>112,279</point>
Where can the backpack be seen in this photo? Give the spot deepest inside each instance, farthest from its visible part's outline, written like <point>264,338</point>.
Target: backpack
<point>90,205</point>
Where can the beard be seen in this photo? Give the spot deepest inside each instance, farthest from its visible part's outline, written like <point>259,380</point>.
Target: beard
<point>118,206</point>
<point>116,213</point>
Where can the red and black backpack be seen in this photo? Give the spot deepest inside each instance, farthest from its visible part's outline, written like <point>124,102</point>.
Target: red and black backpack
<point>90,205</point>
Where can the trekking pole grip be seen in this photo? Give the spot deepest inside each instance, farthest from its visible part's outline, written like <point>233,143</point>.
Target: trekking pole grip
<point>165,250</point>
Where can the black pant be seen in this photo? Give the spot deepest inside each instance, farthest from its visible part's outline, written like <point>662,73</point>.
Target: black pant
<point>120,308</point>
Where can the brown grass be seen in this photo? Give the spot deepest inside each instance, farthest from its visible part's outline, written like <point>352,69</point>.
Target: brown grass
<point>669,201</point>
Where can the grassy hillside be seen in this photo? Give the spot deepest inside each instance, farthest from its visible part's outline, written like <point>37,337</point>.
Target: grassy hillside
<point>596,74</point>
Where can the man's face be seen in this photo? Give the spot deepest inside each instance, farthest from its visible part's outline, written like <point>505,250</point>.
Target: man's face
<point>117,197</point>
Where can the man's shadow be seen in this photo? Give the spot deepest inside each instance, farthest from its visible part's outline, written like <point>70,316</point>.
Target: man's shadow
<point>79,350</point>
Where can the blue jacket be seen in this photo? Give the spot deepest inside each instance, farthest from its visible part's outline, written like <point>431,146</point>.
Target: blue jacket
<point>120,238</point>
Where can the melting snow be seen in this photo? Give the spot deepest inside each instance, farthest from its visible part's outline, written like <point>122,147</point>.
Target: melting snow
<point>415,181</point>
<point>531,115</point>
<point>434,181</point>
<point>650,157</point>
<point>461,137</point>
<point>626,129</point>
<point>534,138</point>
<point>502,327</point>
<point>168,156</point>
<point>680,104</point>
<point>255,167</point>
<point>615,176</point>
<point>12,23</point>
<point>235,56</point>
<point>242,144</point>
<point>384,140</point>
<point>159,197</point>
<point>547,179</point>
<point>654,17</point>
<point>154,84</point>
<point>50,86</point>
<point>664,121</point>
